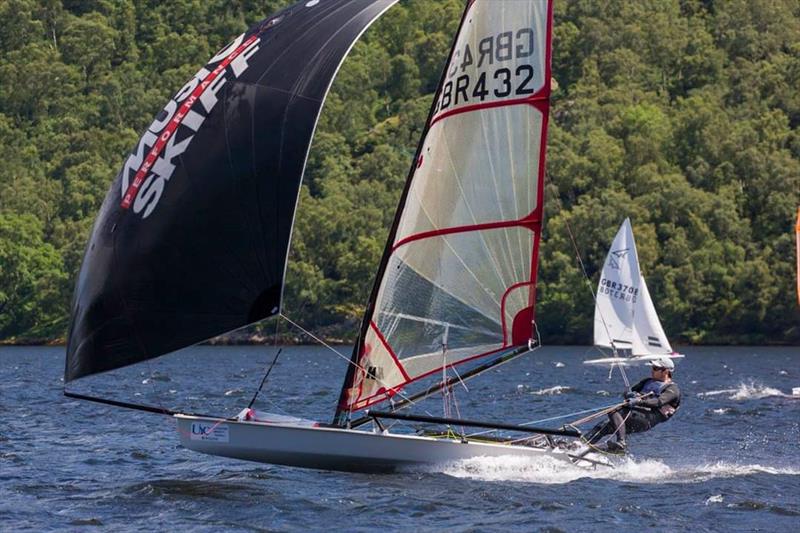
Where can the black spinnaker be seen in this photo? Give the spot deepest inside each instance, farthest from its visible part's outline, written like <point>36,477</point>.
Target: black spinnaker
<point>191,240</point>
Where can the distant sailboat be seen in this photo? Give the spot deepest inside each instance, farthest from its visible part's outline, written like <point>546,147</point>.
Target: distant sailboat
<point>625,319</point>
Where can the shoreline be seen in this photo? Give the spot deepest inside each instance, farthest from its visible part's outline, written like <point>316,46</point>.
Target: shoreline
<point>260,340</point>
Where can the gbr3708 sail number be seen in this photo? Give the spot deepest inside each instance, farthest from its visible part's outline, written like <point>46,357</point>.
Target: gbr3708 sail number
<point>489,71</point>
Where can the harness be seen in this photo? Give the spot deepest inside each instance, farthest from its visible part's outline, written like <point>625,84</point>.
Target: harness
<point>655,388</point>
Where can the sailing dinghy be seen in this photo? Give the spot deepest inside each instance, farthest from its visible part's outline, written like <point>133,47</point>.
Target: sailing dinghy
<point>625,319</point>
<point>192,239</point>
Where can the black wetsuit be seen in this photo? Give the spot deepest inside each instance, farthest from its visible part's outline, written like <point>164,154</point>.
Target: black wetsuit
<point>650,411</point>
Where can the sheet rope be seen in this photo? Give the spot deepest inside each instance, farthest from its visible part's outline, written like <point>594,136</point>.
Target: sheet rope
<point>337,352</point>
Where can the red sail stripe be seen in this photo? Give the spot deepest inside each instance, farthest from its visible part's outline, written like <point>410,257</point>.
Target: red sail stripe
<point>503,306</point>
<point>527,222</point>
<point>176,121</point>
<point>389,349</point>
<point>541,95</point>
<point>359,403</point>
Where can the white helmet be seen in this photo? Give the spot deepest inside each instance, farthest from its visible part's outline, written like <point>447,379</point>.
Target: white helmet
<point>663,362</point>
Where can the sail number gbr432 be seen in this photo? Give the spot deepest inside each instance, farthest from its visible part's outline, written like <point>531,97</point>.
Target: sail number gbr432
<point>490,71</point>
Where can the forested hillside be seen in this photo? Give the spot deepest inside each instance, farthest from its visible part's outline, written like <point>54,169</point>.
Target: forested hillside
<point>681,114</point>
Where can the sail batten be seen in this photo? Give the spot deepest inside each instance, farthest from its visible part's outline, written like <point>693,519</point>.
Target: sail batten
<point>463,248</point>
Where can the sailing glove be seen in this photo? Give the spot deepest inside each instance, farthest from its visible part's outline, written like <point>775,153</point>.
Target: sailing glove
<point>632,402</point>
<point>630,394</point>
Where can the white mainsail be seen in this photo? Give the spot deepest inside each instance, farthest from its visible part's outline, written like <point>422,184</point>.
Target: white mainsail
<point>625,319</point>
<point>458,281</point>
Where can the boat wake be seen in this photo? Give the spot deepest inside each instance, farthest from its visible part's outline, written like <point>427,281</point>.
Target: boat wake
<point>552,391</point>
<point>750,391</point>
<point>548,470</point>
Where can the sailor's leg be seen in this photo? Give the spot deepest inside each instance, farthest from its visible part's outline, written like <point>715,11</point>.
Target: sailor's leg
<point>602,429</point>
<point>639,422</point>
<point>597,432</point>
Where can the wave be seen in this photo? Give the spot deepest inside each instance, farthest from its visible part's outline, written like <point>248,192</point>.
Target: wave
<point>750,391</point>
<point>551,391</point>
<point>550,470</point>
<point>715,393</point>
<point>156,376</point>
<point>191,488</point>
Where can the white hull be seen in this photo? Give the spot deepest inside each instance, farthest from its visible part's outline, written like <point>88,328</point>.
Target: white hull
<point>340,449</point>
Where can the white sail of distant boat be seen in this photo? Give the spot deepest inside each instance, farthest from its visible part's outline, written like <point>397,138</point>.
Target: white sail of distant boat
<point>625,318</point>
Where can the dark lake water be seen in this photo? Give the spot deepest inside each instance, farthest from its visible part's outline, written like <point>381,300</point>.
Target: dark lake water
<point>729,460</point>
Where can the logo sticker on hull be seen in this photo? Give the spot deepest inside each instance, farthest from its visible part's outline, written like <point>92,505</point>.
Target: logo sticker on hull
<point>209,431</point>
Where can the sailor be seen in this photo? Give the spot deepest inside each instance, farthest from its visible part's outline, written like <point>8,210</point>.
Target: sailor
<point>651,401</point>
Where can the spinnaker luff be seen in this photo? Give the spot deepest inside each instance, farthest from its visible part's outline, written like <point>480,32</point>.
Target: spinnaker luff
<point>191,240</point>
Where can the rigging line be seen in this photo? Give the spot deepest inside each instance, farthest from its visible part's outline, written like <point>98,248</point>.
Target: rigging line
<point>322,342</point>
<point>531,349</point>
<point>538,336</point>
<point>331,348</point>
<point>624,420</point>
<point>264,380</point>
<point>594,298</point>
<point>550,419</point>
<point>458,411</point>
<point>624,375</point>
<point>597,414</point>
<point>448,394</point>
<point>454,369</point>
<point>274,360</point>
<point>445,390</point>
<point>451,394</point>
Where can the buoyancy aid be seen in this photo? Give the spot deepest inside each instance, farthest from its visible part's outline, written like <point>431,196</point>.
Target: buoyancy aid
<point>655,388</point>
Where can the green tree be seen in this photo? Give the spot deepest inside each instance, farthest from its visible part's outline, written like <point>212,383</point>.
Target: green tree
<point>31,273</point>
